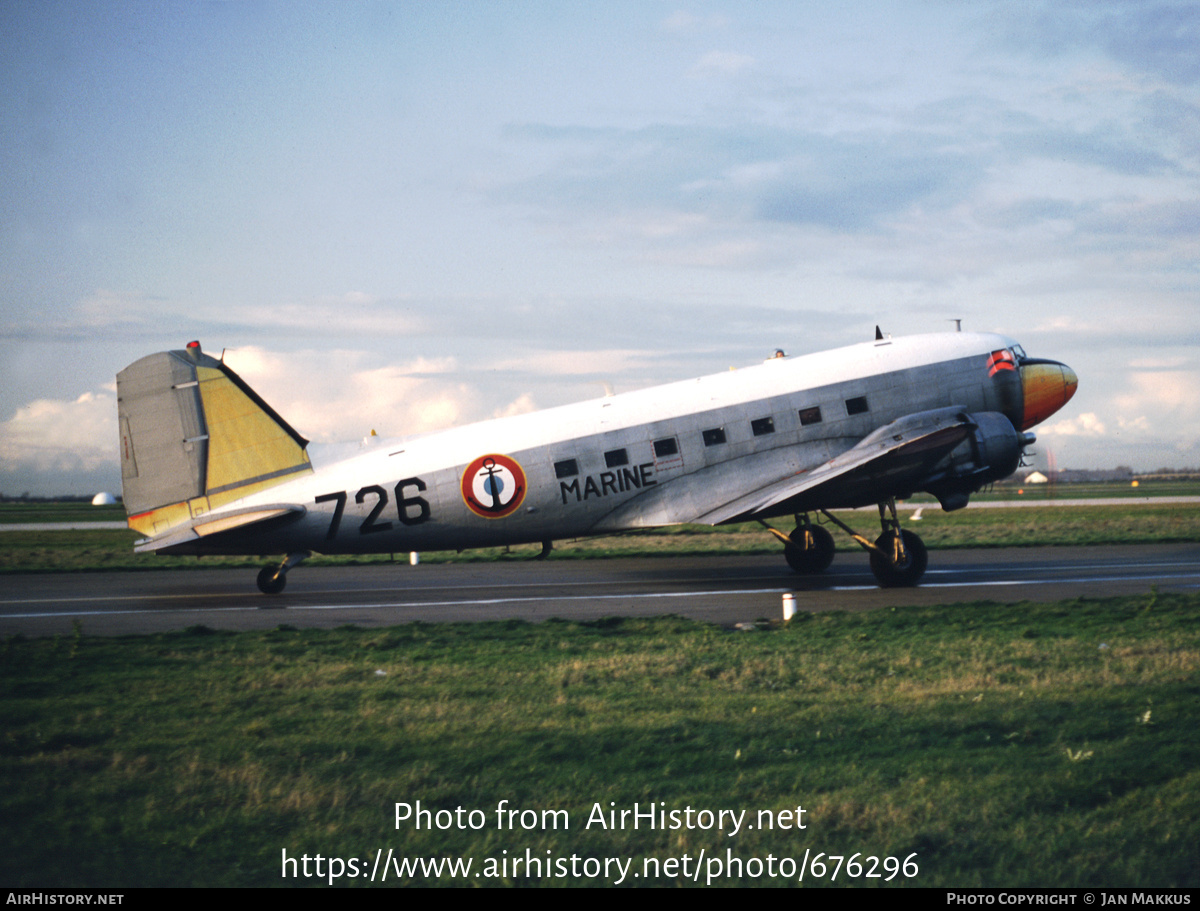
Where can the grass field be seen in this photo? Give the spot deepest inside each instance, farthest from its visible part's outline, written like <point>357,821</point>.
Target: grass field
<point>1041,745</point>
<point>17,512</point>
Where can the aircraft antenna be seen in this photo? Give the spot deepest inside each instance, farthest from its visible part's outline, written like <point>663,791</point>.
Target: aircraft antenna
<point>957,324</point>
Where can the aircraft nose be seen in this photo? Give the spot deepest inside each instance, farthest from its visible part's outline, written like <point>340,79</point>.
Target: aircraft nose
<point>1047,386</point>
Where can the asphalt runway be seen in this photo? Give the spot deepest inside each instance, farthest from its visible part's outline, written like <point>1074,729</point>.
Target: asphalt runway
<point>723,589</point>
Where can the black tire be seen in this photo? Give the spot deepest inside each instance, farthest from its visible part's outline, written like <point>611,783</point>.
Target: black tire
<point>271,581</point>
<point>811,560</point>
<point>893,575</point>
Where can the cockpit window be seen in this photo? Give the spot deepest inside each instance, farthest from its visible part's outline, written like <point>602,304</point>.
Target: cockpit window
<point>1019,352</point>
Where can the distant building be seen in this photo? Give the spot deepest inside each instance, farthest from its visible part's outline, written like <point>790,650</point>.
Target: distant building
<point>1036,477</point>
<point>103,498</point>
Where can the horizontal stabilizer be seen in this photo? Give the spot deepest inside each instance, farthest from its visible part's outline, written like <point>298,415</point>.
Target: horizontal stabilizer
<point>218,523</point>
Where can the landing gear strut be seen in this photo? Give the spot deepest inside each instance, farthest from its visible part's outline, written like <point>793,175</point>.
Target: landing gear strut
<point>272,579</point>
<point>898,557</point>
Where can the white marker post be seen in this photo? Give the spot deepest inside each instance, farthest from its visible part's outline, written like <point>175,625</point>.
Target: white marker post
<point>789,606</point>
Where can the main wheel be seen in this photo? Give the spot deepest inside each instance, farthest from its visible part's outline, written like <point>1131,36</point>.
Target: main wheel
<point>271,581</point>
<point>909,571</point>
<point>813,559</point>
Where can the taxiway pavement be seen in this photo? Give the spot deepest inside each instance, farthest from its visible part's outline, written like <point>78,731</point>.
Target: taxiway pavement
<point>718,589</point>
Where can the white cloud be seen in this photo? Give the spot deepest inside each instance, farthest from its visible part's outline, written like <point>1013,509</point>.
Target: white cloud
<point>59,437</point>
<point>341,395</point>
<point>523,405</point>
<point>1085,425</point>
<point>1139,425</point>
<point>1169,396</point>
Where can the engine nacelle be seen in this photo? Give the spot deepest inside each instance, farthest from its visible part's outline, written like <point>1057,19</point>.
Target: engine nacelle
<point>991,452</point>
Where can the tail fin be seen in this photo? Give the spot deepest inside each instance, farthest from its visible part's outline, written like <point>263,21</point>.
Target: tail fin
<point>194,437</point>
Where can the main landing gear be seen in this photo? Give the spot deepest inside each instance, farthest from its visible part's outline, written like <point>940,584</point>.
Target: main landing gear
<point>808,549</point>
<point>272,579</point>
<point>898,557</point>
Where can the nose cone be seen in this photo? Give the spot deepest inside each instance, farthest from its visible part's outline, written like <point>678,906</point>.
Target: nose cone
<point>1047,386</point>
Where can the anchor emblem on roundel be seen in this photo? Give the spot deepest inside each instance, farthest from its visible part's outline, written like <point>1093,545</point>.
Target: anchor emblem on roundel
<point>493,486</point>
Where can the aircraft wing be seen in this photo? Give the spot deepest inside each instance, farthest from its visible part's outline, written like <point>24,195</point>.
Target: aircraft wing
<point>900,452</point>
<point>892,458</point>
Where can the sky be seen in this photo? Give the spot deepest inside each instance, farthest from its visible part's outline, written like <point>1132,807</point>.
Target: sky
<point>412,215</point>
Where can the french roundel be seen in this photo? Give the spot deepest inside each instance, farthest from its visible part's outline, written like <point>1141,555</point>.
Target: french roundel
<point>493,486</point>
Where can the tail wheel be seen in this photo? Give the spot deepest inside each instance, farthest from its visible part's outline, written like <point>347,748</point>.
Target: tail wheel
<point>271,580</point>
<point>816,557</point>
<point>905,571</point>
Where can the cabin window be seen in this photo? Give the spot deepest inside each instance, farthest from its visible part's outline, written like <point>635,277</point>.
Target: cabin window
<point>763,426</point>
<point>615,458</point>
<point>714,437</point>
<point>567,468</point>
<point>810,416</point>
<point>857,405</point>
<point>664,448</point>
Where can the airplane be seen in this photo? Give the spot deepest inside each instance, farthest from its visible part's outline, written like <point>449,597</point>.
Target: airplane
<point>208,467</point>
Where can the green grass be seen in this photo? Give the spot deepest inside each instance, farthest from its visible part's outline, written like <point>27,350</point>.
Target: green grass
<point>16,513</point>
<point>1040,745</point>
